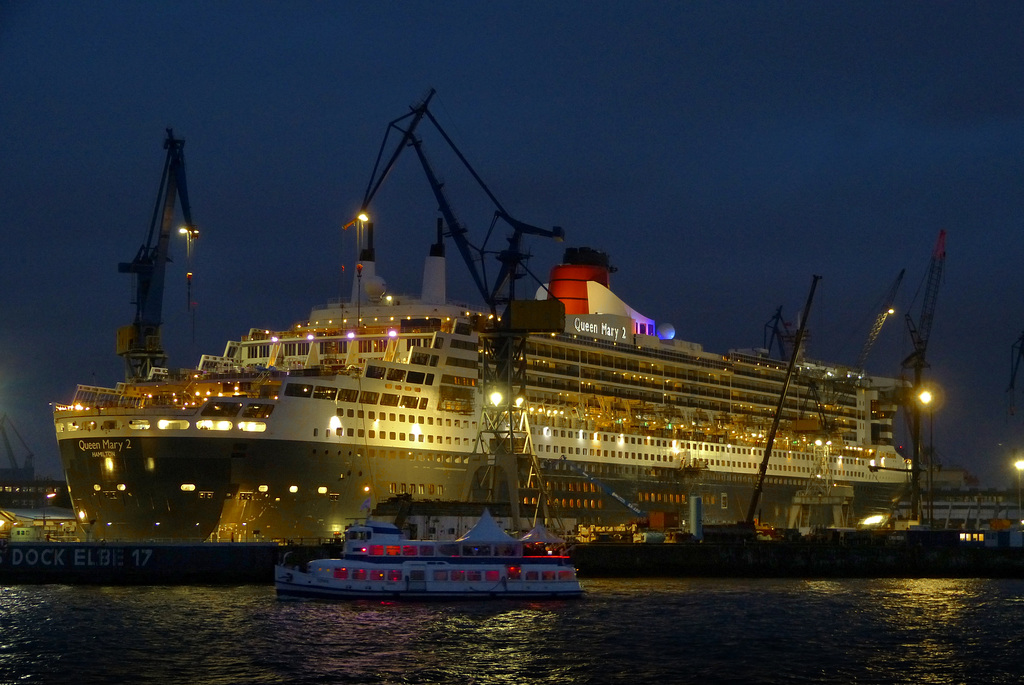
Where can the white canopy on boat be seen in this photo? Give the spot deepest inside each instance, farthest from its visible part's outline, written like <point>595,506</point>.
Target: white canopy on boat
<point>541,534</point>
<point>486,530</point>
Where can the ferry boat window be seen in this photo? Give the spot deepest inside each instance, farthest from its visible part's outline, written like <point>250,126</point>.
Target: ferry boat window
<point>348,394</point>
<point>458,575</point>
<point>389,400</point>
<point>441,575</point>
<point>341,573</point>
<point>359,574</point>
<point>448,550</point>
<point>417,574</point>
<point>475,576</point>
<point>410,402</point>
<point>416,377</point>
<point>373,371</point>
<point>531,575</point>
<point>426,550</point>
<point>514,572</point>
<point>368,397</point>
<point>394,575</point>
<point>396,375</point>
<point>376,550</point>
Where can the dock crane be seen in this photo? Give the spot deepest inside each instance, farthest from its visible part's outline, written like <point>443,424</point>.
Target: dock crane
<point>1016,355</point>
<point>917,361</point>
<point>504,427</point>
<point>777,334</point>
<point>139,343</point>
<point>763,469</point>
<point>26,470</point>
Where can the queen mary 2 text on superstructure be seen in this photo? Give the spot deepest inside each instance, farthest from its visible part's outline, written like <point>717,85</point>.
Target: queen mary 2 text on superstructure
<point>612,328</point>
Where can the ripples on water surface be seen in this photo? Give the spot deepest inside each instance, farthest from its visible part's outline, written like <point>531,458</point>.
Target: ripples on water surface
<point>643,631</point>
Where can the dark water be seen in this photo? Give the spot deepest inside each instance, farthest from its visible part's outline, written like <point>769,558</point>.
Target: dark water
<point>644,631</point>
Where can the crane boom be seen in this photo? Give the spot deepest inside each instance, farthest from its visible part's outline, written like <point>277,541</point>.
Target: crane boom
<point>139,343</point>
<point>512,258</point>
<point>890,298</point>
<point>607,489</point>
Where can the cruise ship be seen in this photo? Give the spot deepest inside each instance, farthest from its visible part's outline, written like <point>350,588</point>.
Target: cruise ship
<point>298,433</point>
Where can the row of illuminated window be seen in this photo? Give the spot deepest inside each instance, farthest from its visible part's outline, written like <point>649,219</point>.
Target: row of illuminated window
<point>175,424</point>
<point>445,549</point>
<point>400,418</point>
<point>400,436</point>
<point>394,575</point>
<point>415,489</point>
<point>683,445</point>
<point>584,451</point>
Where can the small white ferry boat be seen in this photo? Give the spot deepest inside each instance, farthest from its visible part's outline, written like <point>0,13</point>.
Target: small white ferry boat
<point>380,562</point>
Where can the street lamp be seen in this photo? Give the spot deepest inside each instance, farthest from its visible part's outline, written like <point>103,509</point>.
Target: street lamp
<point>1019,464</point>
<point>922,398</point>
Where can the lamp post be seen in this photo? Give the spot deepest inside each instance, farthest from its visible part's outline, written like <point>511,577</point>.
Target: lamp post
<point>1019,464</point>
<point>923,398</point>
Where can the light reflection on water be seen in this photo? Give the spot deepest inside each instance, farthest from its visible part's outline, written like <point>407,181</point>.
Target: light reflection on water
<point>623,631</point>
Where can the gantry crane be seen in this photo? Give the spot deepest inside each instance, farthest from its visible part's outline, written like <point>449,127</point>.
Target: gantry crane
<point>139,342</point>
<point>917,361</point>
<point>504,429</point>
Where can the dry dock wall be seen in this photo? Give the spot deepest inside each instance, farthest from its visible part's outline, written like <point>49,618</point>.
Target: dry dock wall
<point>795,560</point>
<point>137,563</point>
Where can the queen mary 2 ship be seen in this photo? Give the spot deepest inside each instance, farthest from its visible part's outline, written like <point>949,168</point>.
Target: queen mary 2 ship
<point>298,433</point>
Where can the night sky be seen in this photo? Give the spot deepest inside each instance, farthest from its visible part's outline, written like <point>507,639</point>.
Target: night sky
<point>721,153</point>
